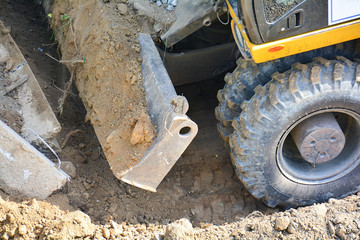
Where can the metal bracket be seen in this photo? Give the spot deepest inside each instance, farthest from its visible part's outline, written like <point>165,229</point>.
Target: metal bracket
<point>167,110</point>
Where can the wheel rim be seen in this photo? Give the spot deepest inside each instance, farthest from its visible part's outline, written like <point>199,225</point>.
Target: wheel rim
<point>293,166</point>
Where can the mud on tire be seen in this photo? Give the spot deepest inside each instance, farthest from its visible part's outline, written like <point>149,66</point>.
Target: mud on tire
<point>261,148</point>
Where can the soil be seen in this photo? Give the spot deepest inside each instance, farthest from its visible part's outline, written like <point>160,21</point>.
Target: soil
<point>9,113</point>
<point>9,108</point>
<point>202,187</point>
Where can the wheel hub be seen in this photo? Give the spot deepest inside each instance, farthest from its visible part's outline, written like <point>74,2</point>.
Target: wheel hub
<point>319,139</point>
<point>308,170</point>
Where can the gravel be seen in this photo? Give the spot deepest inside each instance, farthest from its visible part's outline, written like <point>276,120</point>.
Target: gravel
<point>169,4</point>
<point>274,9</point>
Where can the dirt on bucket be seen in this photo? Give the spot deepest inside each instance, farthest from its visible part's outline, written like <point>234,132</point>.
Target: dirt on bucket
<point>99,47</point>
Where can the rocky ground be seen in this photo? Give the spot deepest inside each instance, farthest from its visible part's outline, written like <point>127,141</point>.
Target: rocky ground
<point>201,197</point>
<point>32,219</point>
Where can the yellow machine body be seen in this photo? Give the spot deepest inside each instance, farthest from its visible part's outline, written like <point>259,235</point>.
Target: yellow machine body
<point>293,45</point>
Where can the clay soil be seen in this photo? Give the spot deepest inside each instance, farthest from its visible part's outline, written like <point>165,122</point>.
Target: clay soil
<point>202,187</point>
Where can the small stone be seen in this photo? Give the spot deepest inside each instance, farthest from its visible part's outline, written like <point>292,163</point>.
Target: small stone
<point>98,235</point>
<point>282,223</point>
<point>111,50</point>
<point>331,228</point>
<point>181,229</point>
<point>118,229</point>
<point>22,230</point>
<point>90,211</point>
<point>157,27</point>
<point>86,195</point>
<point>39,226</point>
<point>141,228</point>
<point>82,145</point>
<point>292,228</point>
<point>123,9</point>
<point>113,207</point>
<point>34,203</point>
<point>6,30</point>
<point>10,218</point>
<point>106,233</point>
<point>320,210</point>
<point>118,46</point>
<point>87,186</point>
<point>129,76</point>
<point>12,231</point>
<point>5,236</point>
<point>137,48</point>
<point>234,233</point>
<point>69,168</point>
<point>340,232</point>
<point>106,1</point>
<point>340,218</point>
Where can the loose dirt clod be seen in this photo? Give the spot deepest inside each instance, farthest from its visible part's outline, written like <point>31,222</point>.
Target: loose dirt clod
<point>69,168</point>
<point>123,9</point>
<point>143,130</point>
<point>181,229</point>
<point>282,223</point>
<point>22,230</point>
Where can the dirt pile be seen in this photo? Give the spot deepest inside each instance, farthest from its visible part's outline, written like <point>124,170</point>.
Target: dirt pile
<point>36,219</point>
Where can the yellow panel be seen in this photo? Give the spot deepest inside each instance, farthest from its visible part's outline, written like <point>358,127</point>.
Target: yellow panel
<point>299,43</point>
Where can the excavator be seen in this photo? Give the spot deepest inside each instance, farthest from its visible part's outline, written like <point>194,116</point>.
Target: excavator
<point>290,111</point>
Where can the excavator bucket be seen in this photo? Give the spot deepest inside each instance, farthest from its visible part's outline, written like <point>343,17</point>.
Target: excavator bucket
<point>168,111</point>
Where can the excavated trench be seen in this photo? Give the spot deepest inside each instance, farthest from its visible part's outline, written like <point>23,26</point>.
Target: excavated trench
<point>202,186</point>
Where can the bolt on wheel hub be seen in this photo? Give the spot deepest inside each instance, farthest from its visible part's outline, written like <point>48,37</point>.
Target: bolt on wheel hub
<point>319,139</point>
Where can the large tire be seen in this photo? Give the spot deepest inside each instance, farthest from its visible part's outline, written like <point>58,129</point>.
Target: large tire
<point>264,157</point>
<point>241,83</point>
<point>239,87</point>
